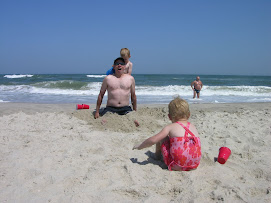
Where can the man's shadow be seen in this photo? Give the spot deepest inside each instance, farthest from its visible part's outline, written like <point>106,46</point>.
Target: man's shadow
<point>150,160</point>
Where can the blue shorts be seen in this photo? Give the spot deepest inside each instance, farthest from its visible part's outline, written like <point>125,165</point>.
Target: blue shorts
<point>197,91</point>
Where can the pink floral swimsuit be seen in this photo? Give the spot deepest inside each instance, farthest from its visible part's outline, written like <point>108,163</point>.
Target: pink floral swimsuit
<point>182,153</point>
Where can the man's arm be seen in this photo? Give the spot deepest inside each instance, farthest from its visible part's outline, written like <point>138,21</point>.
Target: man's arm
<point>192,84</point>
<point>100,98</point>
<point>133,95</point>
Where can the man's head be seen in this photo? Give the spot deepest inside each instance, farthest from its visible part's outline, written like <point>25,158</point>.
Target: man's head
<point>119,65</point>
<point>178,109</point>
<point>197,78</point>
<point>125,54</point>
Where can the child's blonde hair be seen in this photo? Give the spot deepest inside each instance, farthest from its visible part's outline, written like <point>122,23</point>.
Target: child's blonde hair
<point>125,52</point>
<point>178,109</point>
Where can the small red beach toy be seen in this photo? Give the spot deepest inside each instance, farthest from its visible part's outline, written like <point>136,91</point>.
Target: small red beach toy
<point>224,153</point>
<point>82,106</point>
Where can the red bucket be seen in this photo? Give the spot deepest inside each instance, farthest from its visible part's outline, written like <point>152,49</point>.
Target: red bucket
<point>224,153</point>
<point>82,106</point>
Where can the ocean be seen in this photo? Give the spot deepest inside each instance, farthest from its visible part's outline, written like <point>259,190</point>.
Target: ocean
<point>150,88</point>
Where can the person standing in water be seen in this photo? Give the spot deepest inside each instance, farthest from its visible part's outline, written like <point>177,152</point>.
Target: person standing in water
<point>196,86</point>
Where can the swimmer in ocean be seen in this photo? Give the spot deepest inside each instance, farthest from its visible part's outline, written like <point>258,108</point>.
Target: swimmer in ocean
<point>196,86</point>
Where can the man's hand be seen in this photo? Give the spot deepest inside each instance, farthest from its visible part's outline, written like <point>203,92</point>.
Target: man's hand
<point>97,115</point>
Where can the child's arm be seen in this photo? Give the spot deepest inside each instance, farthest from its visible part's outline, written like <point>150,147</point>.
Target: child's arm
<point>154,139</point>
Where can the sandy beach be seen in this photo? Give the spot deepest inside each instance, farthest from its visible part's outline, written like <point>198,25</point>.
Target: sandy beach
<point>55,153</point>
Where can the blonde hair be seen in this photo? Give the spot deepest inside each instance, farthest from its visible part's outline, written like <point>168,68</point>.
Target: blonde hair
<point>178,109</point>
<point>125,52</point>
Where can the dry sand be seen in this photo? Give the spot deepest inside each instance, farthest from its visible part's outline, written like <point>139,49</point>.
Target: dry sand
<point>54,153</point>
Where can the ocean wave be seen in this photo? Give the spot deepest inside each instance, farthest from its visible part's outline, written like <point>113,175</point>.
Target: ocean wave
<point>47,91</point>
<point>93,88</point>
<point>28,89</point>
<point>18,76</point>
<point>237,91</point>
<point>62,84</point>
<point>96,76</point>
<point>206,91</point>
<point>261,100</point>
<point>163,90</point>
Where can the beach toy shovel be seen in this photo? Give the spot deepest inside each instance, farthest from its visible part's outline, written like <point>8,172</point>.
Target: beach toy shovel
<point>82,106</point>
<point>224,153</point>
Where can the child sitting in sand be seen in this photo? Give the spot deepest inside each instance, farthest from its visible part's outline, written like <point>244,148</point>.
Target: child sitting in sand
<point>180,151</point>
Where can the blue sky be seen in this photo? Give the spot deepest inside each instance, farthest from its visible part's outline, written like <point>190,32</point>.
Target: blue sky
<point>173,37</point>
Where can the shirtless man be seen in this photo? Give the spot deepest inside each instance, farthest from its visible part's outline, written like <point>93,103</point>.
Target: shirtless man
<point>119,87</point>
<point>196,87</point>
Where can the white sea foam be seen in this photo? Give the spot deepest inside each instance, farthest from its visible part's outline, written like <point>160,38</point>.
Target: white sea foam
<point>206,91</point>
<point>92,89</point>
<point>171,90</point>
<point>163,90</point>
<point>47,91</point>
<point>14,88</point>
<point>1,101</point>
<point>17,76</point>
<point>94,86</point>
<point>236,91</point>
<point>260,100</point>
<point>152,94</point>
<point>96,76</point>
